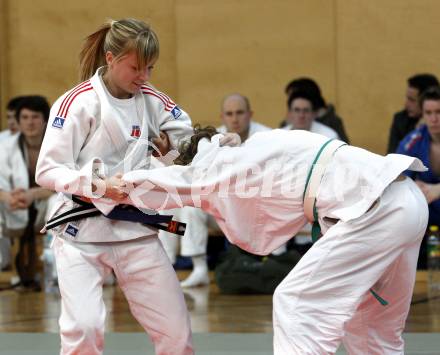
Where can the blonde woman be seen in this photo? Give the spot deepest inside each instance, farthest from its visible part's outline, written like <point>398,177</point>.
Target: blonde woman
<point>111,117</point>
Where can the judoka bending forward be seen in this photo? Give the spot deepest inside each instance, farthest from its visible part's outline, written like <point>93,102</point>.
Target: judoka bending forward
<point>356,282</point>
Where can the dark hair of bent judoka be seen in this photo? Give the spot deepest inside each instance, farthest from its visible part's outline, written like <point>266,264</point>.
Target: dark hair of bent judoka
<point>188,149</point>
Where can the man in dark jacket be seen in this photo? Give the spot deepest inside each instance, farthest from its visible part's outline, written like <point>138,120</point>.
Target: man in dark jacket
<point>406,120</point>
<point>325,113</point>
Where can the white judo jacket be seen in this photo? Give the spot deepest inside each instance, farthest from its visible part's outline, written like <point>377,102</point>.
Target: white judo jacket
<point>6,134</point>
<point>13,175</point>
<point>255,191</point>
<point>91,132</point>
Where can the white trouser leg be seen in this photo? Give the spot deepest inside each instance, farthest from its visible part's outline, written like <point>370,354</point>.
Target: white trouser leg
<point>324,290</point>
<point>148,281</point>
<point>170,241</point>
<point>194,244</point>
<point>153,292</point>
<point>80,277</point>
<point>375,329</point>
<point>195,240</point>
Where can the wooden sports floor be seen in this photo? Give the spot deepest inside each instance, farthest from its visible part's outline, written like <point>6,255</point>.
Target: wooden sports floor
<point>211,311</point>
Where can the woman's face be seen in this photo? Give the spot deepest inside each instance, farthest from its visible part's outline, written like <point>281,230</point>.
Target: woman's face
<point>124,76</point>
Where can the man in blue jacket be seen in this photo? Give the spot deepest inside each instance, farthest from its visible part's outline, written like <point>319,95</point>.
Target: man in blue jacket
<point>424,143</point>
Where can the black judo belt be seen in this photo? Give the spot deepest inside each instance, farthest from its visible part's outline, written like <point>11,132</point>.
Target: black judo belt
<point>126,213</point>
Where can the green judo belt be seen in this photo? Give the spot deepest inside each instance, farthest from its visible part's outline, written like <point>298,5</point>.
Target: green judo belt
<point>313,180</point>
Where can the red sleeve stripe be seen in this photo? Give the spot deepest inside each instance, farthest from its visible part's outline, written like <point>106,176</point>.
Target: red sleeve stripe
<point>410,145</point>
<point>68,96</point>
<point>169,104</point>
<point>86,88</point>
<point>167,107</point>
<point>165,97</point>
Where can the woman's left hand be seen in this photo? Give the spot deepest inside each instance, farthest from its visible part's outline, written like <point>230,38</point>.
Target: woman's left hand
<point>230,140</point>
<point>162,144</point>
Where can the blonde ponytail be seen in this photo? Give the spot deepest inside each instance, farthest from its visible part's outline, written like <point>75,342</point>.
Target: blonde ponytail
<point>92,55</point>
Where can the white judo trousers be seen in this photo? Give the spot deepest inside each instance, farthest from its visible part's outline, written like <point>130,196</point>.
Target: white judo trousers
<point>325,299</point>
<point>143,273</point>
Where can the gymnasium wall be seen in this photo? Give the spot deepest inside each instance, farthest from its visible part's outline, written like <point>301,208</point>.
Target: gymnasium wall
<point>360,52</point>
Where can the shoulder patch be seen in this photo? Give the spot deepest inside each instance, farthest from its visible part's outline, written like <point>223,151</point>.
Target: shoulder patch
<point>71,230</point>
<point>58,122</point>
<point>67,101</point>
<point>176,112</point>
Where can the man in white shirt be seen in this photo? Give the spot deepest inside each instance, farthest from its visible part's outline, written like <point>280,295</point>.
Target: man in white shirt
<point>302,114</point>
<point>23,203</point>
<point>236,115</point>
<point>11,109</point>
<point>12,129</point>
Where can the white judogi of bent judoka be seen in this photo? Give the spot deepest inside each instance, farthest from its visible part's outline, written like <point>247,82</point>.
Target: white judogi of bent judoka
<point>195,240</point>
<point>373,245</point>
<point>87,125</point>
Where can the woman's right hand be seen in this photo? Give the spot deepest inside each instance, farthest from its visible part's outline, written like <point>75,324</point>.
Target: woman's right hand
<point>115,188</point>
<point>230,139</point>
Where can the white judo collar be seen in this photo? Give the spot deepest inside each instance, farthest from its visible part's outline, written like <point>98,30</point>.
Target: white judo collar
<point>116,130</point>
